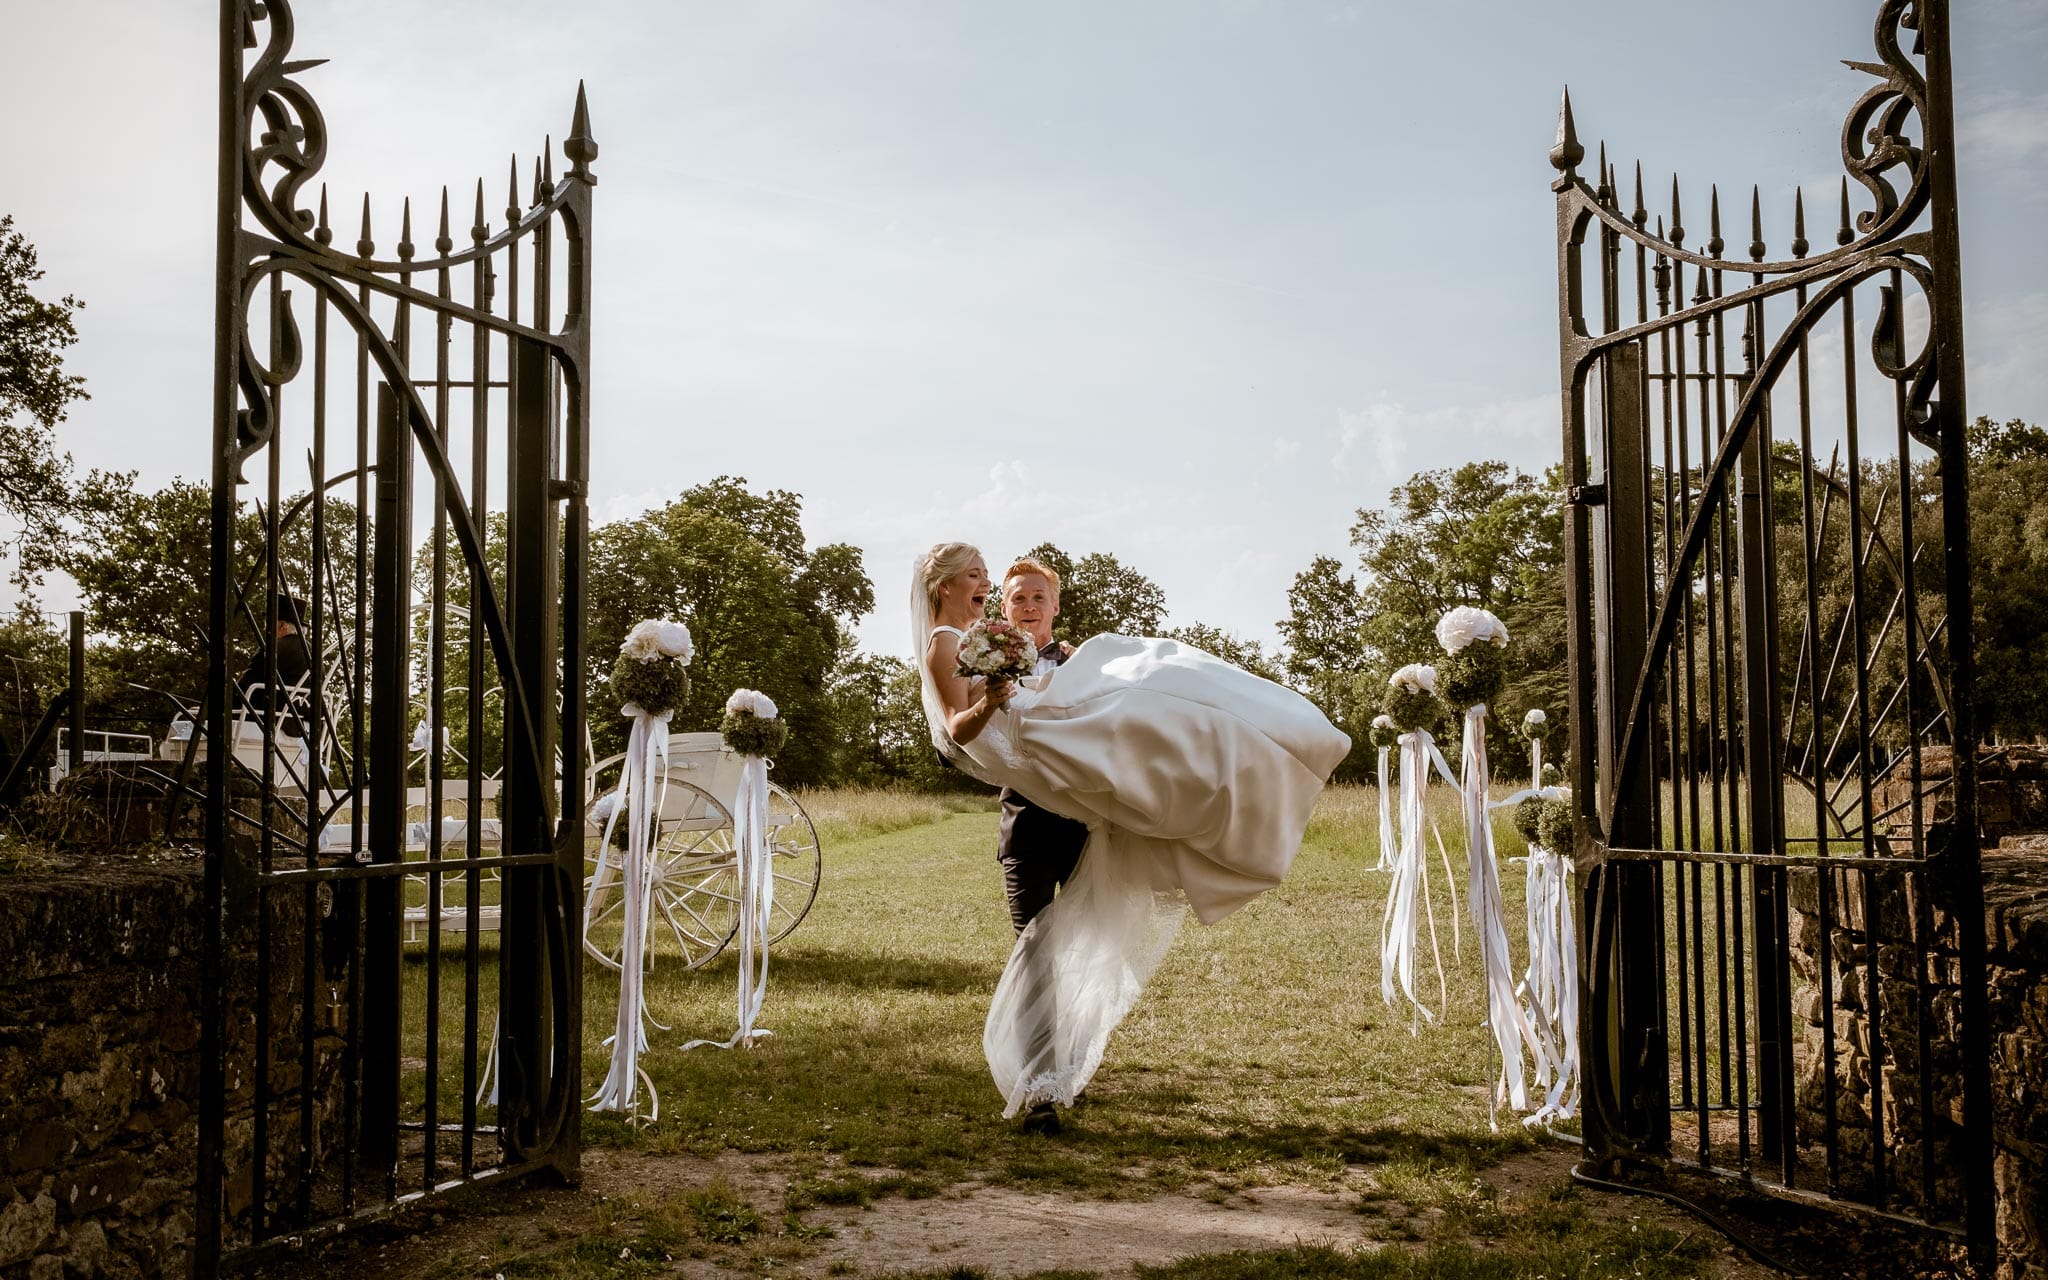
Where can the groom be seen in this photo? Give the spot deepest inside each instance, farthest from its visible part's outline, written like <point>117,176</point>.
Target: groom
<point>1038,849</point>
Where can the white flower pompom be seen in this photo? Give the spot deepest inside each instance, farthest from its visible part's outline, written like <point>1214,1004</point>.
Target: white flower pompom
<point>1555,793</point>
<point>1466,624</point>
<point>1535,716</point>
<point>1384,722</point>
<point>751,702</point>
<point>643,642</point>
<point>673,639</point>
<point>1416,677</point>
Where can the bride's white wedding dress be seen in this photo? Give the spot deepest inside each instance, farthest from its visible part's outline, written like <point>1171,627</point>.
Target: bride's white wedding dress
<point>1195,779</point>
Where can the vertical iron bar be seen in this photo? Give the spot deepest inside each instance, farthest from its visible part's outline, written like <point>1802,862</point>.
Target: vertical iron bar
<point>1965,885</point>
<point>77,686</point>
<point>314,728</point>
<point>1872,1004</point>
<point>526,1050</point>
<point>479,446</point>
<point>227,328</point>
<point>383,963</point>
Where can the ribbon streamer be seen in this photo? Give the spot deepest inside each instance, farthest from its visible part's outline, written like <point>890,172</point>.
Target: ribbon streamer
<point>1408,894</point>
<point>757,901</point>
<point>1511,1030</point>
<point>1387,847</point>
<point>646,769</point>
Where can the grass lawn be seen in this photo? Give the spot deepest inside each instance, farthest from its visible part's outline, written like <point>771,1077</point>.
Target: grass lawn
<point>1260,1056</point>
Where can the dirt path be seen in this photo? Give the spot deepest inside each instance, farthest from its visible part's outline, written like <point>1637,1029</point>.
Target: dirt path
<point>1000,1230</point>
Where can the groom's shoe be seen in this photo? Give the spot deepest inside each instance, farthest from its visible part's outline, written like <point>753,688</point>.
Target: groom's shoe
<point>1042,1118</point>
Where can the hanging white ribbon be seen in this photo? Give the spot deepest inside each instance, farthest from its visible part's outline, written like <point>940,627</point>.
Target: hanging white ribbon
<point>757,900</point>
<point>1408,893</point>
<point>645,772</point>
<point>1386,817</point>
<point>1511,1030</point>
<point>1550,992</point>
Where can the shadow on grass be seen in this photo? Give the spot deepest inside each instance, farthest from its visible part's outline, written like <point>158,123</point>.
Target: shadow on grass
<point>813,969</point>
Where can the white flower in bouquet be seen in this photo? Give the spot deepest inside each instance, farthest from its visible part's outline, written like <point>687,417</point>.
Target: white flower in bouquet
<point>996,648</point>
<point>1467,624</point>
<point>750,702</point>
<point>1383,721</point>
<point>1416,677</point>
<point>1535,717</point>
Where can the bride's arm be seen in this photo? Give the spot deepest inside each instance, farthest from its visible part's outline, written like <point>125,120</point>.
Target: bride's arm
<point>970,704</point>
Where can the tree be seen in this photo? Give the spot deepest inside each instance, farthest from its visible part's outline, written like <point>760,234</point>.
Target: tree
<point>2009,575</point>
<point>765,613</point>
<point>1478,534</point>
<point>1237,650</point>
<point>1100,594</point>
<point>36,491</point>
<point>1327,655</point>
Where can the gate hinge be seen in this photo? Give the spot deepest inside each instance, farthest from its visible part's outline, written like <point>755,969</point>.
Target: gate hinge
<point>564,490</point>
<point>1587,495</point>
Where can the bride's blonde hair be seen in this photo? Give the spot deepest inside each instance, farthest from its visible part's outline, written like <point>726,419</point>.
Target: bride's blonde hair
<point>944,562</point>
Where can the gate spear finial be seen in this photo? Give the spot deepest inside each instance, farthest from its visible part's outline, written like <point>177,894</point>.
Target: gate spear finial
<point>1640,215</point>
<point>1756,224</point>
<point>364,245</point>
<point>1799,222</point>
<point>405,233</point>
<point>1714,241</point>
<point>1843,234</point>
<point>579,146</point>
<point>323,234</point>
<point>444,243</point>
<point>1677,219</point>
<point>1565,156</point>
<point>481,231</point>
<point>512,193</point>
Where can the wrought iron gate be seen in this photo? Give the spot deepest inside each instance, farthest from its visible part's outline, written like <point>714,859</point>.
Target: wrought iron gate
<point>413,756</point>
<point>1772,746</point>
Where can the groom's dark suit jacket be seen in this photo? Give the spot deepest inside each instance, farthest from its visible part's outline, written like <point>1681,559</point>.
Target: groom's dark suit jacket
<point>1038,849</point>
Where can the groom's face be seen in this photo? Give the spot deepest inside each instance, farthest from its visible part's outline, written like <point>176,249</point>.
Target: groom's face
<point>1030,604</point>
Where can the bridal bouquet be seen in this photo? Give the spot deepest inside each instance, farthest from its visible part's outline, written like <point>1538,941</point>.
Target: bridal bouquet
<point>649,674</point>
<point>997,650</point>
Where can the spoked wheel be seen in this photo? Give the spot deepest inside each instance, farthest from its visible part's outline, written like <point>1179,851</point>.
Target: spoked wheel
<point>797,861</point>
<point>694,908</point>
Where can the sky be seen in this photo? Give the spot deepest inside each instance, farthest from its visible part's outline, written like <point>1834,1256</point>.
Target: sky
<point>1187,281</point>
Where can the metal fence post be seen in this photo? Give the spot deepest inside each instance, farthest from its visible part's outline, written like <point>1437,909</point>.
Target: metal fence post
<point>77,691</point>
<point>532,553</point>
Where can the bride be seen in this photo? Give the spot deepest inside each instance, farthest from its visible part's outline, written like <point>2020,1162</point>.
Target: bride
<point>1195,779</point>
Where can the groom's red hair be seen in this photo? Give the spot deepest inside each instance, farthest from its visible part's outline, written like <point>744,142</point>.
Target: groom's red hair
<point>1039,567</point>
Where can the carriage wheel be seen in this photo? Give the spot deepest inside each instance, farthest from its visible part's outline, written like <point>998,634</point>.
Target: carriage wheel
<point>798,862</point>
<point>695,908</point>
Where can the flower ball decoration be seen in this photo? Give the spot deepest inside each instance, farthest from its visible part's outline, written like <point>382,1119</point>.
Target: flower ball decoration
<point>752,726</point>
<point>1384,732</point>
<point>1535,725</point>
<point>649,674</point>
<point>1529,819</point>
<point>1473,669</point>
<point>1557,824</point>
<point>1411,698</point>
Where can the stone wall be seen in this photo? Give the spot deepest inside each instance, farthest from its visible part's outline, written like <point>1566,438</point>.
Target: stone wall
<point>99,1066</point>
<point>1921,1101</point>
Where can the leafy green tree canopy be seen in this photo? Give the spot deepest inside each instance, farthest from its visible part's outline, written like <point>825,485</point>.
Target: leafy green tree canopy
<point>37,494</point>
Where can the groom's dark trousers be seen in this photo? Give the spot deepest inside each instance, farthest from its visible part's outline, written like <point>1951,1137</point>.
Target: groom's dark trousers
<point>1038,849</point>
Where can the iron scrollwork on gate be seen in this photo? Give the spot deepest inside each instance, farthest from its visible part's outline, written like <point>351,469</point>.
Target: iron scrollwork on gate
<point>393,781</point>
<point>1772,739</point>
